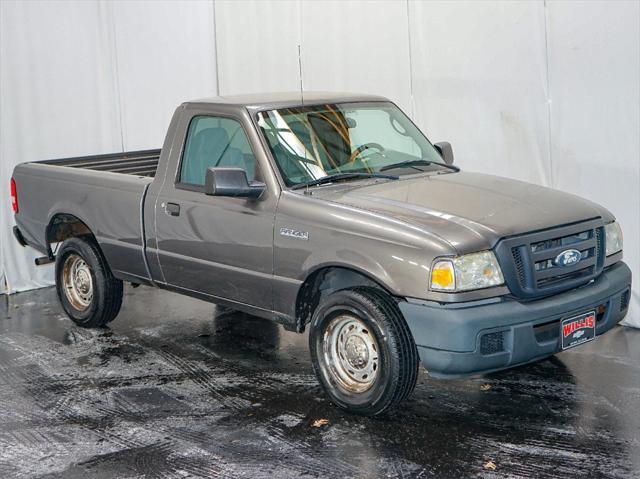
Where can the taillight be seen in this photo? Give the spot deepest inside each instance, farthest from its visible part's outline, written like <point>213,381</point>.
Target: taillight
<point>14,196</point>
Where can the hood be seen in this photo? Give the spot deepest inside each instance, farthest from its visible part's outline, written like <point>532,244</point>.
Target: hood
<point>470,211</point>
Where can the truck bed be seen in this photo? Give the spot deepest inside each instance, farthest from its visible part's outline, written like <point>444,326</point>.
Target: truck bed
<point>105,192</point>
<point>138,163</point>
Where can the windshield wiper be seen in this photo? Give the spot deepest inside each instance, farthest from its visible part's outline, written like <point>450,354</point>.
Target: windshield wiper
<point>414,163</point>
<point>341,177</point>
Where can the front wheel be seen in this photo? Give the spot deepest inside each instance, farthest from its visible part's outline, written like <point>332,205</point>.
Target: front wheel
<point>88,292</point>
<point>362,351</point>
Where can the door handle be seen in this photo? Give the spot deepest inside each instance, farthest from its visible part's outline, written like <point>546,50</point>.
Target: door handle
<point>172,209</point>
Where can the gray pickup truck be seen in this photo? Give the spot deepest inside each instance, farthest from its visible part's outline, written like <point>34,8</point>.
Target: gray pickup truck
<point>337,214</point>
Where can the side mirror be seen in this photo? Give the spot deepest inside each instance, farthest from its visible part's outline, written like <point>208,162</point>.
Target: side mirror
<point>231,182</point>
<point>445,150</point>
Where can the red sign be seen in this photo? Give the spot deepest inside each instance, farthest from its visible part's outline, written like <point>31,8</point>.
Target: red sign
<point>586,322</point>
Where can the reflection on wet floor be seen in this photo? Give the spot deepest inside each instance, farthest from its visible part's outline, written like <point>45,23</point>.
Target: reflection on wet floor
<point>178,388</point>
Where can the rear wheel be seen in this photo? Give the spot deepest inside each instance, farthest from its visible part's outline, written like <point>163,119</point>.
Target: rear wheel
<point>87,289</point>
<point>362,351</point>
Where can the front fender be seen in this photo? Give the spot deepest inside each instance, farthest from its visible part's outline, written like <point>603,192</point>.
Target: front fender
<point>311,233</point>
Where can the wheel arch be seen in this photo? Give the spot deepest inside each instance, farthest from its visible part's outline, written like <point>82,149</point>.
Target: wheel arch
<point>66,225</point>
<point>326,279</point>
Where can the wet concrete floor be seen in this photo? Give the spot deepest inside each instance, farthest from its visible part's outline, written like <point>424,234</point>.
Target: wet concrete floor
<point>178,388</point>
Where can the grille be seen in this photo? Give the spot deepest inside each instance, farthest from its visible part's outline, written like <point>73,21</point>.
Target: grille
<point>599,241</point>
<point>529,261</point>
<point>491,343</point>
<point>519,264</point>
<point>624,300</point>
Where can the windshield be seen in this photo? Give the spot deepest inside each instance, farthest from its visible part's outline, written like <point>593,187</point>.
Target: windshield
<point>312,142</point>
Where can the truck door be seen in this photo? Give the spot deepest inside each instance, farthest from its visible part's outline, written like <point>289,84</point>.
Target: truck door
<point>220,247</point>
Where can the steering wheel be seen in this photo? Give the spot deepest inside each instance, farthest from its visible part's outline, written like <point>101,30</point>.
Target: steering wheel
<point>363,148</point>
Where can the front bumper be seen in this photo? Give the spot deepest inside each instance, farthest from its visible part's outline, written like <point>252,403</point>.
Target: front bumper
<point>463,339</point>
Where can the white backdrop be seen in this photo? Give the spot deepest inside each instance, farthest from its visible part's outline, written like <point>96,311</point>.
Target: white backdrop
<point>547,92</point>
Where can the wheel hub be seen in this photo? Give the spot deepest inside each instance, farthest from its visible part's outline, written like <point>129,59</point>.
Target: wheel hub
<point>350,352</point>
<point>82,281</point>
<point>356,352</point>
<point>77,281</point>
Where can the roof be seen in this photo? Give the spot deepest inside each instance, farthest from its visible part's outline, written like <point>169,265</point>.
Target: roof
<point>267,101</point>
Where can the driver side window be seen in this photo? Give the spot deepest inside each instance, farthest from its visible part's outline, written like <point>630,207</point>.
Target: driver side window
<point>211,142</point>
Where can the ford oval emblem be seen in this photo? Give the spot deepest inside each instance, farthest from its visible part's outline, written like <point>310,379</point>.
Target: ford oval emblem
<point>568,257</point>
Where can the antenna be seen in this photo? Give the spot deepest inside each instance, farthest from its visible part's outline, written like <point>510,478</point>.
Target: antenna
<point>300,73</point>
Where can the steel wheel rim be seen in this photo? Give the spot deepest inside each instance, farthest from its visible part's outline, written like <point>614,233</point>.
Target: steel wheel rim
<point>350,352</point>
<point>77,282</point>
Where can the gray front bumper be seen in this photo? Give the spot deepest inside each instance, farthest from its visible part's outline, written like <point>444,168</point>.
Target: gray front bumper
<point>449,336</point>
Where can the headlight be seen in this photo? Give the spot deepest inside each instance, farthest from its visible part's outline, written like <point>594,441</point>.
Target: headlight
<point>467,272</point>
<point>613,238</point>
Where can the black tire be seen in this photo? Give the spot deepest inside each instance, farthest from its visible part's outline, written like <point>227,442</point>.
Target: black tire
<point>105,300</point>
<point>397,356</point>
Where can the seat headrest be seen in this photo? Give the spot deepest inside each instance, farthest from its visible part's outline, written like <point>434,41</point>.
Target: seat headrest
<point>211,142</point>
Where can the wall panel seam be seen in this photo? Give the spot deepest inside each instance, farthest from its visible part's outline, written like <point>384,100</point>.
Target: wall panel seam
<point>215,47</point>
<point>110,18</point>
<point>548,92</point>
<point>410,60</point>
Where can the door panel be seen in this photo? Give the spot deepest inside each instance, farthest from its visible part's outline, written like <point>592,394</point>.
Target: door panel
<point>217,246</point>
<point>222,247</point>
